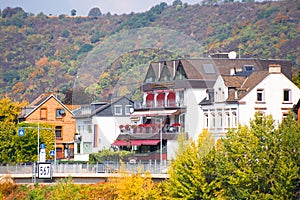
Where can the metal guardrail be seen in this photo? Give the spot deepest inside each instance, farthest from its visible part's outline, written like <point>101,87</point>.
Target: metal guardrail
<point>153,168</point>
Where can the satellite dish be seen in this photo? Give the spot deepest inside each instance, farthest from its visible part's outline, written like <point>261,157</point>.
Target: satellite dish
<point>62,112</point>
<point>232,55</point>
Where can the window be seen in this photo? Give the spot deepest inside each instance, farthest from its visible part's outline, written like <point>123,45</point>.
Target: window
<point>220,120</point>
<point>60,112</point>
<point>213,120</point>
<point>127,109</point>
<point>58,131</point>
<point>227,120</point>
<point>287,95</point>
<point>43,114</point>
<point>89,128</point>
<point>260,95</point>
<point>78,129</point>
<point>118,110</point>
<point>205,120</point>
<point>234,119</point>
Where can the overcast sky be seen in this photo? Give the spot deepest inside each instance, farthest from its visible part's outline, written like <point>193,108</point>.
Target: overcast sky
<point>57,7</point>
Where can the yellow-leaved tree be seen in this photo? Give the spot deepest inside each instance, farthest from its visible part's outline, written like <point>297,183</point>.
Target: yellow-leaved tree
<point>190,174</point>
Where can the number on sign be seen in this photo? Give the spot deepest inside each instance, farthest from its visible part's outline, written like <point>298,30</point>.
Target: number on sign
<point>44,170</point>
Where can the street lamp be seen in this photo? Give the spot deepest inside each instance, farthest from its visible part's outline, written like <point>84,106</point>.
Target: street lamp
<point>160,137</point>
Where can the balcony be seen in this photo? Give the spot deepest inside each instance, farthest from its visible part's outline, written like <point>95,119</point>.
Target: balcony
<point>150,128</point>
<point>160,104</point>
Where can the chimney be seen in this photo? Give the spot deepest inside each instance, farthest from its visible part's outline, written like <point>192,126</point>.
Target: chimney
<point>274,68</point>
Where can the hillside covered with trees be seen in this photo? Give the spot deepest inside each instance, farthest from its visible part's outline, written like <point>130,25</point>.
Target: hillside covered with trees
<point>44,53</point>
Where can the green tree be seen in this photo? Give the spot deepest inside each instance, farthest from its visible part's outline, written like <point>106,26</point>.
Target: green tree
<point>73,12</point>
<point>95,12</point>
<point>26,145</point>
<point>9,112</point>
<point>255,162</point>
<point>190,173</point>
<point>65,33</point>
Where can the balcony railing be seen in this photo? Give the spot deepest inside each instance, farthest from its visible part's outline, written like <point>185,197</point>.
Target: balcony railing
<point>150,128</point>
<point>160,104</point>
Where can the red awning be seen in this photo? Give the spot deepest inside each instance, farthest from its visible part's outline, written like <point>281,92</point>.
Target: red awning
<point>120,143</point>
<point>144,142</point>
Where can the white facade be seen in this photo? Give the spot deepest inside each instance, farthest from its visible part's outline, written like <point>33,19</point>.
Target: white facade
<point>272,89</point>
<point>274,95</point>
<point>99,128</point>
<point>193,115</point>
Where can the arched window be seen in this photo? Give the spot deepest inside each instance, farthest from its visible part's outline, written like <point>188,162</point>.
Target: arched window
<point>160,99</point>
<point>171,99</point>
<point>150,100</point>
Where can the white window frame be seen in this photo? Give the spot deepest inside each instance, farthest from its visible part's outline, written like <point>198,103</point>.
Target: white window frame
<point>213,120</point>
<point>118,109</point>
<point>220,119</point>
<point>227,120</point>
<point>127,109</point>
<point>289,95</point>
<point>234,119</point>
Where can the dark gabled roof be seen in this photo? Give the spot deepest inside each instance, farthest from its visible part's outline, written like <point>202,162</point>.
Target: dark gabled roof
<point>38,100</point>
<point>233,81</point>
<point>114,101</point>
<point>252,81</point>
<point>242,85</point>
<point>101,108</point>
<point>210,68</point>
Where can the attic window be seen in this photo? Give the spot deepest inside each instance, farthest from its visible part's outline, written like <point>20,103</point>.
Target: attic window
<point>43,114</point>
<point>209,68</point>
<point>249,68</point>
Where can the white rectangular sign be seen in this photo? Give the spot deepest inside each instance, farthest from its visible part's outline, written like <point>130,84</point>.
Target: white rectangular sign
<point>45,170</point>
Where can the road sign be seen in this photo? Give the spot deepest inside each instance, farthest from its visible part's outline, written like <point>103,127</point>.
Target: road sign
<point>44,171</point>
<point>21,132</point>
<point>43,146</point>
<point>52,153</point>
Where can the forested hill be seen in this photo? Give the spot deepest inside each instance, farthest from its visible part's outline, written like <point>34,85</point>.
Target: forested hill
<point>43,53</point>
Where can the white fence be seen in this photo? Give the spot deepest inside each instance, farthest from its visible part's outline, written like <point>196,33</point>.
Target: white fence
<point>153,168</point>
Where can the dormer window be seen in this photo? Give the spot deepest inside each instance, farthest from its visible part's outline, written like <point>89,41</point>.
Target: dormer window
<point>249,68</point>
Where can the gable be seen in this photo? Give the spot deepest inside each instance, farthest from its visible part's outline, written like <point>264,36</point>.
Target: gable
<point>49,102</point>
<point>180,73</point>
<point>165,73</point>
<point>108,110</point>
<point>150,76</point>
<point>273,85</point>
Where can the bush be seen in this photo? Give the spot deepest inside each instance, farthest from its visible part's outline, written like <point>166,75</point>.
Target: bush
<point>7,186</point>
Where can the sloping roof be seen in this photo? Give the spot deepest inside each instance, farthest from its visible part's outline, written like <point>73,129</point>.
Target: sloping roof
<point>243,85</point>
<point>210,68</point>
<point>42,99</point>
<point>233,81</point>
<point>255,78</point>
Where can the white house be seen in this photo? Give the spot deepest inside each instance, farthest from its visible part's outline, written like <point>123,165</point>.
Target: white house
<point>236,99</point>
<point>172,92</point>
<point>97,125</point>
